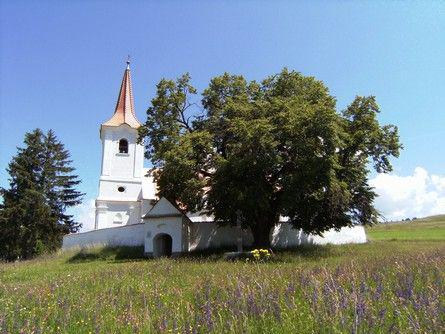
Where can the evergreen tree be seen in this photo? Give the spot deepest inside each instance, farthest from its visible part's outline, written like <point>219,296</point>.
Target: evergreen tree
<point>58,183</point>
<point>41,187</point>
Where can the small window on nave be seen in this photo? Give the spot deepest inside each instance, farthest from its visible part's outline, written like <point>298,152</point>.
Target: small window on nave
<point>117,218</point>
<point>123,146</point>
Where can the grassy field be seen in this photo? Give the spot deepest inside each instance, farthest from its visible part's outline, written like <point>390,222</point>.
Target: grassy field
<point>430,228</point>
<point>393,284</point>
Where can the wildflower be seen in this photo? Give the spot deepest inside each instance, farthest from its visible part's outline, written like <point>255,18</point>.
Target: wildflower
<point>260,254</point>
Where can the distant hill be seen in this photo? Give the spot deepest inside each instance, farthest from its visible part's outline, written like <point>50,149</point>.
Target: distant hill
<point>438,218</point>
<point>435,218</point>
<point>427,228</point>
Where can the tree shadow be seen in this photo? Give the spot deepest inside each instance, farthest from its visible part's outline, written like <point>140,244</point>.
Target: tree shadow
<point>112,254</point>
<point>136,253</point>
<point>209,254</point>
<point>309,252</point>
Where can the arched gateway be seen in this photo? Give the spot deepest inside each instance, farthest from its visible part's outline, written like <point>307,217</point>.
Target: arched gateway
<point>162,245</point>
<point>166,230</point>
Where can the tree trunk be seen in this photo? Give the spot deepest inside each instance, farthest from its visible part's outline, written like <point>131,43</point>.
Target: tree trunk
<point>261,234</point>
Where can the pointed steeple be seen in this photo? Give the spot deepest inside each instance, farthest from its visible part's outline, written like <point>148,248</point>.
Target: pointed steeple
<point>124,112</point>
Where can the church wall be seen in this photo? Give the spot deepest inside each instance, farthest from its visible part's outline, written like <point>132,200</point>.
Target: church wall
<point>203,235</point>
<point>146,205</point>
<point>209,235</point>
<point>108,189</point>
<point>284,236</point>
<point>120,184</point>
<point>172,226</point>
<point>117,214</point>
<point>149,188</point>
<point>131,212</point>
<point>122,165</point>
<point>130,235</point>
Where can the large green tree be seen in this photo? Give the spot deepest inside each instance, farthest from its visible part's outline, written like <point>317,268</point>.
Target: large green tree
<point>267,150</point>
<point>33,216</point>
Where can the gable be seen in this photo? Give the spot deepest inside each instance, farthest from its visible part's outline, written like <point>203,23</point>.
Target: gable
<point>163,208</point>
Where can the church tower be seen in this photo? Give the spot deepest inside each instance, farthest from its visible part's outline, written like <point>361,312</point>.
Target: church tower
<point>120,183</point>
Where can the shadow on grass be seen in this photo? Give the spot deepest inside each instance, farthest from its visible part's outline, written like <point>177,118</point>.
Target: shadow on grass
<point>309,252</point>
<point>114,254</point>
<point>210,254</point>
<point>127,253</point>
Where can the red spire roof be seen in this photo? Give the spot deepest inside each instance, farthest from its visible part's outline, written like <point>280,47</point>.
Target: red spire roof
<point>124,113</point>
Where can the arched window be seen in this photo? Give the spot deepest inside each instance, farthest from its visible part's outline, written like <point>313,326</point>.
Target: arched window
<point>118,218</point>
<point>123,146</point>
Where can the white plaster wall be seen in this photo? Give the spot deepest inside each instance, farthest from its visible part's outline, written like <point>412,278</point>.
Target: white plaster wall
<point>172,226</point>
<point>148,192</point>
<point>130,235</point>
<point>108,189</point>
<point>346,235</point>
<point>130,212</point>
<point>149,187</point>
<point>120,165</point>
<point>209,235</point>
<point>202,236</point>
<point>146,205</point>
<point>283,235</point>
<point>119,170</point>
<point>165,208</point>
<point>138,160</point>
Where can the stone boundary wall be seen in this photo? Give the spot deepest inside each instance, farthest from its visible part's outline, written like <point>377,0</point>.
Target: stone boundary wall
<point>128,235</point>
<point>209,235</point>
<point>283,236</point>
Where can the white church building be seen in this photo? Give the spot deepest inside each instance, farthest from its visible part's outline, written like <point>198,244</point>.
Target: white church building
<point>128,212</point>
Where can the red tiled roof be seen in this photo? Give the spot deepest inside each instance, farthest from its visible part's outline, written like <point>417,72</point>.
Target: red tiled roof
<point>124,113</point>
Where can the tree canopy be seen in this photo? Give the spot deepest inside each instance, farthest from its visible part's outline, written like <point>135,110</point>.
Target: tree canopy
<point>269,149</point>
<point>42,186</point>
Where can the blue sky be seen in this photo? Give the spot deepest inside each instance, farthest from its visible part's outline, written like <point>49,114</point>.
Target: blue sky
<point>61,64</point>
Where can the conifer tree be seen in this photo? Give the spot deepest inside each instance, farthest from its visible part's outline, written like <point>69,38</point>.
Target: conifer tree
<point>58,183</point>
<point>33,215</point>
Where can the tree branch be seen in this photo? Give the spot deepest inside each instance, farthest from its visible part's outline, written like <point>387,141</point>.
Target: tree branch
<point>205,173</point>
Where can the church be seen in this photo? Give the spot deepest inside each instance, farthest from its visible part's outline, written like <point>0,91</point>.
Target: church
<point>128,212</point>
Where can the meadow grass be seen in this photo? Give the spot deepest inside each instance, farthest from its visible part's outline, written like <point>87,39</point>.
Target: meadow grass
<point>430,228</point>
<point>393,284</point>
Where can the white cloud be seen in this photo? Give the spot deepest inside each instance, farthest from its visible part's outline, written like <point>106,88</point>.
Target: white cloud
<point>84,214</point>
<point>416,195</point>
